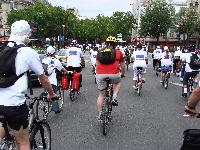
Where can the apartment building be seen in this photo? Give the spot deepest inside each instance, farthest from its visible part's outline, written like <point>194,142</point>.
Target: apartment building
<point>8,5</point>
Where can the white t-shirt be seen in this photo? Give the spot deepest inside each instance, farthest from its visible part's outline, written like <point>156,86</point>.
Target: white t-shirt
<point>186,57</point>
<point>26,59</point>
<point>177,54</point>
<point>74,55</point>
<point>53,64</point>
<point>139,57</point>
<point>157,53</point>
<point>93,57</point>
<point>166,61</point>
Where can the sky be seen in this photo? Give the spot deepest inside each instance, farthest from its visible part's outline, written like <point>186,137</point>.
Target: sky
<point>92,8</point>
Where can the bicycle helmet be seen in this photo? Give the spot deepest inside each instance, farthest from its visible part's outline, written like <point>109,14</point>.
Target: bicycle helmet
<point>111,39</point>
<point>166,48</point>
<point>50,50</point>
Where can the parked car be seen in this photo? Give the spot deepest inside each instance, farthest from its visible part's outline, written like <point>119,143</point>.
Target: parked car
<point>61,56</point>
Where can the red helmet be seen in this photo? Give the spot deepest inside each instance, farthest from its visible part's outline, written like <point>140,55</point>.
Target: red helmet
<point>197,51</point>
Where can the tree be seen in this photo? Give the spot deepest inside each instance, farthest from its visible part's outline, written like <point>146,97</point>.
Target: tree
<point>187,20</point>
<point>157,19</point>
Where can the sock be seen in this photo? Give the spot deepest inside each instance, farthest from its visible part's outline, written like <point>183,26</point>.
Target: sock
<point>185,90</point>
<point>114,96</point>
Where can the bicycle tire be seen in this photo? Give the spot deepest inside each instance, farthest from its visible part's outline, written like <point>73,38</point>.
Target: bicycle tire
<point>166,83</point>
<point>45,109</point>
<point>40,127</point>
<point>61,98</point>
<point>105,117</point>
<point>139,88</point>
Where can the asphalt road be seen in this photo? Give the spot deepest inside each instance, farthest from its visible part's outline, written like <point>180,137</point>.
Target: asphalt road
<point>152,121</point>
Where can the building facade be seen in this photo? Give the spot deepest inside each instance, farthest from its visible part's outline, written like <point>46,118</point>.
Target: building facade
<point>8,5</point>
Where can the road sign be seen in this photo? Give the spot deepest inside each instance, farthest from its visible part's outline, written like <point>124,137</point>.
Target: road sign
<point>61,38</point>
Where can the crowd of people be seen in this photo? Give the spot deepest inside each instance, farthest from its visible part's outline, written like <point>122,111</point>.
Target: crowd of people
<point>108,61</point>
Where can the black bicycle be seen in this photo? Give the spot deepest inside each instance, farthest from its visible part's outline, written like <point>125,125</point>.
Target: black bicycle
<point>44,107</point>
<point>166,72</point>
<point>107,107</point>
<point>139,80</point>
<point>39,131</point>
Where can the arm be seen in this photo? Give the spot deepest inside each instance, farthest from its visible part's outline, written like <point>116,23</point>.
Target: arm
<point>46,84</point>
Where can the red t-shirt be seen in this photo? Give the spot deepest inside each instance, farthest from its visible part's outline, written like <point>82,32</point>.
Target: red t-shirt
<point>110,68</point>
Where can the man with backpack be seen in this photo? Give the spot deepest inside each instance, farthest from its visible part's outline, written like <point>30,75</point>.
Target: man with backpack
<point>15,60</point>
<point>190,69</point>
<point>110,64</point>
<point>52,65</point>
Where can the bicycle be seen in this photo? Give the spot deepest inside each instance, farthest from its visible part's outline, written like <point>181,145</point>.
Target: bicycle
<point>157,68</point>
<point>72,91</point>
<point>166,71</point>
<point>139,81</point>
<point>35,127</point>
<point>44,107</point>
<point>107,107</point>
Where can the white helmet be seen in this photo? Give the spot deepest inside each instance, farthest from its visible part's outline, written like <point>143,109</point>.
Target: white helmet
<point>158,47</point>
<point>20,28</point>
<point>50,50</point>
<point>166,48</point>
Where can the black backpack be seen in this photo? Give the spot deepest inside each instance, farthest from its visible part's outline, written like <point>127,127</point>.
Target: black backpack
<point>7,64</point>
<point>194,62</point>
<point>106,55</point>
<point>191,139</point>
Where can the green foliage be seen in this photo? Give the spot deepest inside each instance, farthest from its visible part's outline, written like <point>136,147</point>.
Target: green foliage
<point>188,17</point>
<point>49,21</point>
<point>157,18</point>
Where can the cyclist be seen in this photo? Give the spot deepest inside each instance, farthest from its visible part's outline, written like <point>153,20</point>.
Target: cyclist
<point>53,65</point>
<point>166,62</point>
<point>188,71</point>
<point>157,54</point>
<point>111,71</point>
<point>12,102</point>
<point>75,60</point>
<point>140,60</point>
<point>93,57</point>
<point>176,60</point>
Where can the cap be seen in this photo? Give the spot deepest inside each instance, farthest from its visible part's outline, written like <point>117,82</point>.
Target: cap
<point>50,50</point>
<point>20,28</point>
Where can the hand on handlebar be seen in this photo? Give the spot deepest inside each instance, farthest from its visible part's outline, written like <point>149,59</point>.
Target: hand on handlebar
<point>52,97</point>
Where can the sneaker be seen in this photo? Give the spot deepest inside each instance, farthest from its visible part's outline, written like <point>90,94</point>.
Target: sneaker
<point>161,82</point>
<point>114,102</point>
<point>57,112</point>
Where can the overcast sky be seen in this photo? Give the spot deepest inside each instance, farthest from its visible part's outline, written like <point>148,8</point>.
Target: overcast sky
<point>91,8</point>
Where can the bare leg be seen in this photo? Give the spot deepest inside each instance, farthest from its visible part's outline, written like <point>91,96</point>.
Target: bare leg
<point>2,131</point>
<point>22,138</point>
<point>100,100</point>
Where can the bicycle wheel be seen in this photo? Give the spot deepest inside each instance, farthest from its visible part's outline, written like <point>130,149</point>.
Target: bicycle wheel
<point>42,109</point>
<point>166,82</point>
<point>139,88</point>
<point>105,117</point>
<point>40,136</point>
<point>61,98</point>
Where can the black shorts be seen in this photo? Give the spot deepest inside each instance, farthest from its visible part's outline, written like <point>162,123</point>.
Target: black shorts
<point>77,69</point>
<point>16,116</point>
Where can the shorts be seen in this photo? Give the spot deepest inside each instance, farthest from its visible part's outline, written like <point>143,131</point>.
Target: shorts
<point>77,69</point>
<point>16,116</point>
<point>135,72</point>
<point>155,61</point>
<point>187,75</point>
<point>102,84</point>
<point>166,68</point>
